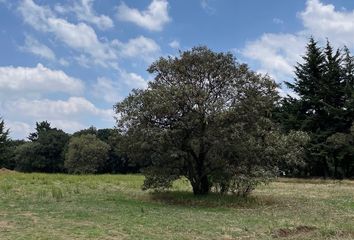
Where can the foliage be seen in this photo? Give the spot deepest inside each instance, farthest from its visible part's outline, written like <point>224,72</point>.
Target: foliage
<point>28,157</point>
<point>324,107</point>
<point>86,154</point>
<point>117,161</point>
<point>9,161</point>
<point>207,118</point>
<point>45,152</point>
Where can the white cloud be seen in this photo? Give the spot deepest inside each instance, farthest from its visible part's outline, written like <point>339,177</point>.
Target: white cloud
<point>33,46</point>
<point>133,80</point>
<point>153,18</point>
<point>83,37</point>
<point>71,115</point>
<point>113,91</point>
<point>69,126</point>
<point>85,12</point>
<point>56,109</point>
<point>79,37</point>
<point>323,20</point>
<point>35,15</point>
<point>174,44</point>
<point>107,90</point>
<point>18,130</point>
<point>38,79</point>
<point>277,53</point>
<point>142,47</point>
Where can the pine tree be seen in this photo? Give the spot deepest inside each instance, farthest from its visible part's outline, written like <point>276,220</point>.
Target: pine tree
<point>348,78</point>
<point>305,112</point>
<point>324,84</point>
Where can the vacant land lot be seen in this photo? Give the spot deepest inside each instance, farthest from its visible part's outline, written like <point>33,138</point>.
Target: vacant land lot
<point>41,206</point>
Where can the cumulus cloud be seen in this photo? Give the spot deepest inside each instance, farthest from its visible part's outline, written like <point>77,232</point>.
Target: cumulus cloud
<point>133,80</point>
<point>107,90</point>
<point>113,91</point>
<point>38,79</point>
<point>85,12</point>
<point>56,109</point>
<point>35,15</point>
<point>141,47</point>
<point>18,130</point>
<point>323,20</point>
<point>79,37</point>
<point>71,115</point>
<point>153,18</point>
<point>277,53</point>
<point>33,46</point>
<point>83,39</point>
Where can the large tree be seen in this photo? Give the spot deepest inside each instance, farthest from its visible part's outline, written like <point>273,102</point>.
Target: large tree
<point>207,118</point>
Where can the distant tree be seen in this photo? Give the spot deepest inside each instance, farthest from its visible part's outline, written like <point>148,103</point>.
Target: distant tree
<point>41,127</point>
<point>86,154</point>
<point>10,160</point>
<point>28,157</point>
<point>207,118</point>
<point>117,161</point>
<point>91,130</point>
<point>47,153</point>
<point>4,143</point>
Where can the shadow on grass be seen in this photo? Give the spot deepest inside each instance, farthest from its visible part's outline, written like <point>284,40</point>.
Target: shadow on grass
<point>212,200</point>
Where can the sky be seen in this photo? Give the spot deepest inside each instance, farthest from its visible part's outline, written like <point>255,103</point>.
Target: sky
<point>68,62</point>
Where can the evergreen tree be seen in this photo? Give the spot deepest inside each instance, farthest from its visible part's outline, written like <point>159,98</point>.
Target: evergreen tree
<point>348,79</point>
<point>324,84</point>
<point>45,152</point>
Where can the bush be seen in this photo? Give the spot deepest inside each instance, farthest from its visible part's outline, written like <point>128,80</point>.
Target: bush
<point>86,154</point>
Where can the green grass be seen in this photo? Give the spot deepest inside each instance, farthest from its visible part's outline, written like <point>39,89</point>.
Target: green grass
<point>42,206</point>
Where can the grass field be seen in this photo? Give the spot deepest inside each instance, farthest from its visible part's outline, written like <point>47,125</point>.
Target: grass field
<point>42,206</point>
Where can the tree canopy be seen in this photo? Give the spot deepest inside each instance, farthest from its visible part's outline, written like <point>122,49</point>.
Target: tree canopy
<point>205,117</point>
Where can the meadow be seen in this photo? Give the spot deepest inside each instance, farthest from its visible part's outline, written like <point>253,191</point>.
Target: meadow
<point>59,206</point>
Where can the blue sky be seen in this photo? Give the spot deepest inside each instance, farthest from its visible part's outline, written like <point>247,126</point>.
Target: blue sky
<point>68,62</point>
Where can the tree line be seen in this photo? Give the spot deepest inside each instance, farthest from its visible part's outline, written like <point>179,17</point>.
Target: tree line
<point>51,150</point>
<point>214,121</point>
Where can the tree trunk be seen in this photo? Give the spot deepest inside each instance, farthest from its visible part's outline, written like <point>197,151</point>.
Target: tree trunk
<point>201,186</point>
